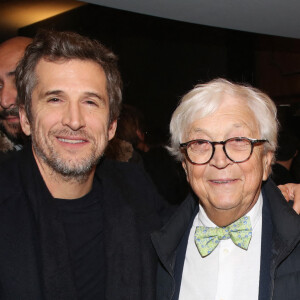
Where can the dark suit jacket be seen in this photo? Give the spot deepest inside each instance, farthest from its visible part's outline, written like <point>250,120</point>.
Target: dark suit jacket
<point>281,175</point>
<point>34,262</point>
<point>280,249</point>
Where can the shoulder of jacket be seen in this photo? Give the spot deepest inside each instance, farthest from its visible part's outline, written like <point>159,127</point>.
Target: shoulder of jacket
<point>9,178</point>
<point>125,170</point>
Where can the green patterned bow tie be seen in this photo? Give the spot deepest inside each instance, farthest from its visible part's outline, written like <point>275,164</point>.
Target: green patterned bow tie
<point>208,238</point>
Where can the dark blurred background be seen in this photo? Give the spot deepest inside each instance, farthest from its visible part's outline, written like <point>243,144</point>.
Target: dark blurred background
<point>161,59</point>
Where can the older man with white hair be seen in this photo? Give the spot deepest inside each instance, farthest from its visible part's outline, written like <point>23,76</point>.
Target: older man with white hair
<point>235,236</point>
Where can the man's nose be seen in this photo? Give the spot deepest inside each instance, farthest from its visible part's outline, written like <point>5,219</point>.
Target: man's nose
<point>219,159</point>
<point>73,116</point>
<point>8,97</point>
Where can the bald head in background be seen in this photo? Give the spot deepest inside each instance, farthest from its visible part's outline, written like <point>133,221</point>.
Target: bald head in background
<point>11,51</point>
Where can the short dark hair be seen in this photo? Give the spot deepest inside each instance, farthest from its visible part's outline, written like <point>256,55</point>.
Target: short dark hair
<point>53,46</point>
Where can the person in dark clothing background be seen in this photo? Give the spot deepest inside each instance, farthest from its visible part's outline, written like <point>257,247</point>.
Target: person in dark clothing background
<point>287,150</point>
<point>129,141</point>
<point>166,173</point>
<point>72,224</point>
<point>11,135</point>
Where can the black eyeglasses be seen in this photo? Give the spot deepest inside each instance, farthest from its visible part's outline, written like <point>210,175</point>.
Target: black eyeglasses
<point>237,149</point>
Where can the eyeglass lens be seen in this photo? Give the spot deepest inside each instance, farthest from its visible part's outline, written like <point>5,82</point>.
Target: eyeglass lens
<point>236,149</point>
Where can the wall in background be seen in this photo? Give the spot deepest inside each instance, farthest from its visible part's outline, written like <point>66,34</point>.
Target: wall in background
<point>161,59</point>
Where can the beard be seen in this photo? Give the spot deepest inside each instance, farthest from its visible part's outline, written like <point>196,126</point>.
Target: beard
<point>71,169</point>
<point>12,131</point>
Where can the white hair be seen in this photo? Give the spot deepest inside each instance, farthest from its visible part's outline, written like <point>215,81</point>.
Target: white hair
<point>205,99</point>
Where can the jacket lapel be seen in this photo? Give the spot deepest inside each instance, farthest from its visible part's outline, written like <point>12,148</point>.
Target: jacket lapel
<point>171,241</point>
<point>265,281</point>
<point>180,256</point>
<point>167,239</point>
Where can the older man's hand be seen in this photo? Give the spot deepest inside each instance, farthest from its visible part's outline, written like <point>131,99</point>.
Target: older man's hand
<point>291,191</point>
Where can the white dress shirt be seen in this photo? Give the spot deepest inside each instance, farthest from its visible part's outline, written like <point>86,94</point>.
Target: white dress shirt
<point>229,272</point>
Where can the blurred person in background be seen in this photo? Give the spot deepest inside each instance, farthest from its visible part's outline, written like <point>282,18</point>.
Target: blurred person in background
<point>11,135</point>
<point>166,173</point>
<point>286,152</point>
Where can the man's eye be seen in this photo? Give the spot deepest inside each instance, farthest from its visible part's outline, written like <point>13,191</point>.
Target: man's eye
<point>54,100</point>
<point>90,102</point>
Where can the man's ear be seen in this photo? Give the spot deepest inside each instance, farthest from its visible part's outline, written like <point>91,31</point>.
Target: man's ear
<point>112,129</point>
<point>24,121</point>
<point>185,169</point>
<point>267,161</point>
<point>140,135</point>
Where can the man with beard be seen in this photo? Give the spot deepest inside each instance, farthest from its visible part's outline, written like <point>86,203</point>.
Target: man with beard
<point>11,135</point>
<point>73,225</point>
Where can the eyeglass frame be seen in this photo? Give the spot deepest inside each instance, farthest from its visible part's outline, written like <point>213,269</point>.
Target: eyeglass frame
<point>253,142</point>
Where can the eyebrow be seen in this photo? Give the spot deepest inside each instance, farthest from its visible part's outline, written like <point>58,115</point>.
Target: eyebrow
<point>11,73</point>
<point>89,94</point>
<point>54,92</point>
<point>92,94</point>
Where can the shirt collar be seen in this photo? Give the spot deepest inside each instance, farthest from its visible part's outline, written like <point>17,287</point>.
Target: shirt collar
<point>254,214</point>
